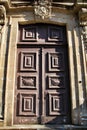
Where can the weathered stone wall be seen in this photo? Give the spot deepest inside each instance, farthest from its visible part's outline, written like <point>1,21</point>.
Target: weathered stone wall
<point>77,59</point>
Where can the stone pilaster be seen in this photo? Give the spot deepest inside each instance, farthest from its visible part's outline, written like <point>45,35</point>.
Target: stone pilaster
<point>83,28</point>
<point>2,23</point>
<point>83,25</point>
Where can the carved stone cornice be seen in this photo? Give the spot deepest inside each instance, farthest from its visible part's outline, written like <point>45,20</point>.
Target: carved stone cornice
<point>83,16</point>
<point>2,15</point>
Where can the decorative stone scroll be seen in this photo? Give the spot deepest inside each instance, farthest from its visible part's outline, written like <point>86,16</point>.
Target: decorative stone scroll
<point>2,15</point>
<point>83,16</point>
<point>42,8</point>
<point>2,18</point>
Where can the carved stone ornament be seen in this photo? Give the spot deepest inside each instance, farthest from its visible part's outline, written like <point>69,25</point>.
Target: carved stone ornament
<point>42,8</point>
<point>83,16</point>
<point>2,15</point>
<point>83,25</point>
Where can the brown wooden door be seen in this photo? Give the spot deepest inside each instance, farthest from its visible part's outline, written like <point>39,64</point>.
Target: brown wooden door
<point>42,83</point>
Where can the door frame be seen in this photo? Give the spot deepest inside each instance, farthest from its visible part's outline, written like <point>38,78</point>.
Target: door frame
<point>75,69</point>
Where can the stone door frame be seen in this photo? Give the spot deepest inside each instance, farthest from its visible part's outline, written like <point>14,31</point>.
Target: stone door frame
<point>76,66</point>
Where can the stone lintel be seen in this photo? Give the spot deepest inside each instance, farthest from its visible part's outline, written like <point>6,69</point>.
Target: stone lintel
<point>52,127</point>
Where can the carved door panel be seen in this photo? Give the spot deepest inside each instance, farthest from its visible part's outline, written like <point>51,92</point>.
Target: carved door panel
<point>27,86</point>
<point>55,86</point>
<point>42,83</point>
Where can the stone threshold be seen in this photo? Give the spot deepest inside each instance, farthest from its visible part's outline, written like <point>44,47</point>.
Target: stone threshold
<point>44,127</point>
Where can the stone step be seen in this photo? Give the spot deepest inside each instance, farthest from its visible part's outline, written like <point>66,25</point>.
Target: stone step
<point>41,127</point>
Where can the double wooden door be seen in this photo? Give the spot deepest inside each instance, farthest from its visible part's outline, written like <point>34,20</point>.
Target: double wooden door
<point>42,82</point>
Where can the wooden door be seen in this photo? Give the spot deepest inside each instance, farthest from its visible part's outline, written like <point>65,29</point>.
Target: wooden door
<point>42,83</point>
